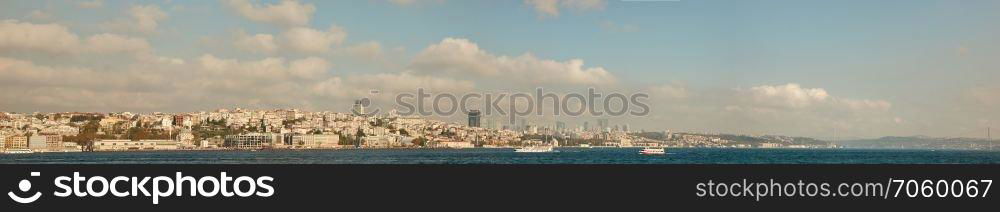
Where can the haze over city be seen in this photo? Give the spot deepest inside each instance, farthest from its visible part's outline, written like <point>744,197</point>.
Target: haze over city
<point>822,69</point>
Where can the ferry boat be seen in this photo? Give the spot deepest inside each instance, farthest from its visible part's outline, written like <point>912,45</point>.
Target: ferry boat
<point>653,151</point>
<point>535,149</point>
<point>17,151</point>
<point>585,146</point>
<point>545,148</point>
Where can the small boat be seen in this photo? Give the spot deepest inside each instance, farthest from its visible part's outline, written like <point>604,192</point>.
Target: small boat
<point>585,146</point>
<point>653,151</point>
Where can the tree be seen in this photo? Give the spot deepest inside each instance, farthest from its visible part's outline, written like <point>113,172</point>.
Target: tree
<point>421,141</point>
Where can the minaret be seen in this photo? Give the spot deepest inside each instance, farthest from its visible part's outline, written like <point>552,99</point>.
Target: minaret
<point>359,108</point>
<point>263,124</point>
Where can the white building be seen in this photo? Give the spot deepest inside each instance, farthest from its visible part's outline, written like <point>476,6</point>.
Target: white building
<point>315,141</point>
<point>252,140</point>
<point>128,145</point>
<point>455,144</point>
<point>770,145</point>
<point>37,143</point>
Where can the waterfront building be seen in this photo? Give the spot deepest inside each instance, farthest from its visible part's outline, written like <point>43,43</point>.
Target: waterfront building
<point>251,141</point>
<point>315,141</point>
<point>770,145</point>
<point>380,141</point>
<point>16,142</point>
<point>37,143</point>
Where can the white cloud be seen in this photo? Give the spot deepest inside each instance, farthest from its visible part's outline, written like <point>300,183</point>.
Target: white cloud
<point>865,104</point>
<point>258,43</point>
<point>794,96</point>
<point>265,69</point>
<point>57,39</point>
<point>553,7</point>
<point>141,18</point>
<point>51,38</point>
<point>388,85</point>
<point>22,74</point>
<point>309,40</point>
<point>669,91</point>
<point>167,60</point>
<point>405,82</point>
<point>371,51</point>
<point>90,4</point>
<point>308,68</point>
<point>789,95</point>
<point>302,83</point>
<point>287,13</point>
<point>460,56</point>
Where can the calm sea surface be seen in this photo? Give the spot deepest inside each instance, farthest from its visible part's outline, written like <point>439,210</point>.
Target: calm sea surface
<point>508,156</point>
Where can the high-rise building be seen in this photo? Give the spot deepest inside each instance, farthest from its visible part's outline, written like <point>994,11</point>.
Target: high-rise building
<point>492,122</point>
<point>475,118</point>
<point>560,126</point>
<point>602,124</point>
<point>178,120</point>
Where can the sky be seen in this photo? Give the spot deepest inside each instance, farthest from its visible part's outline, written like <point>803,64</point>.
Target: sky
<point>826,69</point>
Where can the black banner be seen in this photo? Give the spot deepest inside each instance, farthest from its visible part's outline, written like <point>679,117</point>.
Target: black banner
<point>513,187</point>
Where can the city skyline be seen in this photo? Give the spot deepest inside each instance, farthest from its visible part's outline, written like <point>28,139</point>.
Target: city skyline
<point>805,68</point>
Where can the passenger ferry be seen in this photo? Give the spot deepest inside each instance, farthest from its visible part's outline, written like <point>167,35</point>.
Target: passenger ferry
<point>653,151</point>
<point>535,149</point>
<point>17,151</point>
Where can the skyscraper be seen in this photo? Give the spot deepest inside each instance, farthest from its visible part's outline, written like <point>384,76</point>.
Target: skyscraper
<point>602,124</point>
<point>475,118</point>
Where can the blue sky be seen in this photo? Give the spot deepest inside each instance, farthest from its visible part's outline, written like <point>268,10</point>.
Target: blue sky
<point>884,67</point>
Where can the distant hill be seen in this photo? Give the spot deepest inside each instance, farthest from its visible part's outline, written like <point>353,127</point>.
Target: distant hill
<point>917,142</point>
<point>744,139</point>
